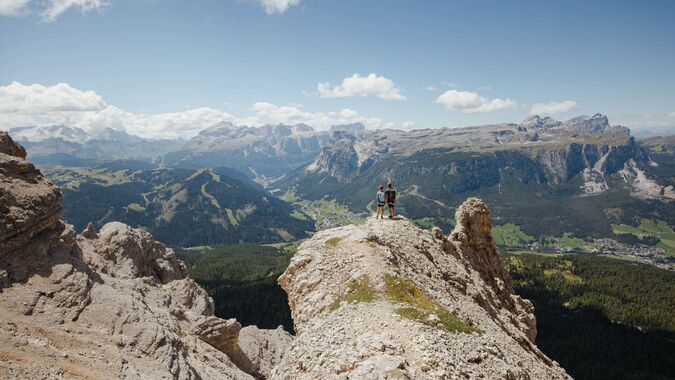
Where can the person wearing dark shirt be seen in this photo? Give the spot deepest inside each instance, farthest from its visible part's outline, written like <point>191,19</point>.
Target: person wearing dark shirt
<point>390,198</point>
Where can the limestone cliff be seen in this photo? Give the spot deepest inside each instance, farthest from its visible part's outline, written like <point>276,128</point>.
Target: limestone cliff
<point>389,300</point>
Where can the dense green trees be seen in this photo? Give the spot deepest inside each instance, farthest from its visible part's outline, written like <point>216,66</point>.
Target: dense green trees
<point>600,318</point>
<point>242,281</point>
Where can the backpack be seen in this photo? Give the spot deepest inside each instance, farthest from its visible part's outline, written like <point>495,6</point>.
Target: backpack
<point>391,195</point>
<point>380,196</point>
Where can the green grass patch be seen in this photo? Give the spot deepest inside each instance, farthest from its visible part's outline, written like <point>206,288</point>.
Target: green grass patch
<point>569,277</point>
<point>421,308</point>
<point>509,235</point>
<point>231,218</point>
<point>333,242</point>
<point>658,228</point>
<point>136,207</point>
<point>298,215</point>
<point>424,223</point>
<point>568,240</point>
<point>632,259</point>
<point>359,290</point>
<point>284,234</point>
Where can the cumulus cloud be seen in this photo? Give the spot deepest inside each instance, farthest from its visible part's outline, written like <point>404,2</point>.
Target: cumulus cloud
<point>13,7</point>
<point>27,105</point>
<point>357,85</point>
<point>407,125</point>
<point>277,6</point>
<point>61,104</point>
<point>269,113</point>
<point>553,108</point>
<point>49,10</point>
<point>471,102</point>
<point>56,8</point>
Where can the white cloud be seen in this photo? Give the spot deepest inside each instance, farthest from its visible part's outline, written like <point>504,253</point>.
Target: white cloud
<point>358,85</point>
<point>672,114</point>
<point>56,8</point>
<point>26,105</point>
<point>13,7</point>
<point>49,10</point>
<point>277,6</point>
<point>29,105</point>
<point>470,102</point>
<point>269,113</point>
<point>553,108</point>
<point>347,112</point>
<point>407,125</point>
<point>431,88</point>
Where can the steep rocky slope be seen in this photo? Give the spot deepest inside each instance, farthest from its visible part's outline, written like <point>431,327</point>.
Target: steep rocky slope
<point>100,305</point>
<point>389,300</point>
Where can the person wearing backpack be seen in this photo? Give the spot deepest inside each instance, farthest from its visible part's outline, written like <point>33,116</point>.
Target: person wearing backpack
<point>380,198</point>
<point>390,197</point>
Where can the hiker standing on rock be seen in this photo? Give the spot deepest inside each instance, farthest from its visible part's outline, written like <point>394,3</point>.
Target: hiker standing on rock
<point>390,197</point>
<point>380,198</point>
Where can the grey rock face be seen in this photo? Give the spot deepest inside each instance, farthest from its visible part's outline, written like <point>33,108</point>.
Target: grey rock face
<point>9,147</point>
<point>339,157</point>
<point>354,128</point>
<point>264,348</point>
<point>269,150</point>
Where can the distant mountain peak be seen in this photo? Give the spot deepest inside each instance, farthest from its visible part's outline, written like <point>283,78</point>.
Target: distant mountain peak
<point>594,124</point>
<point>354,128</point>
<point>538,122</point>
<point>37,133</point>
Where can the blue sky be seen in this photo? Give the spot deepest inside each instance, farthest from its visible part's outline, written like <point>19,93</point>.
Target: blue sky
<point>435,63</point>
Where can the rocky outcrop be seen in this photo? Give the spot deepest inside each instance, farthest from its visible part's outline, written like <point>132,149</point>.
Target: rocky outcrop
<point>264,348</point>
<point>339,157</point>
<point>105,304</point>
<point>389,300</point>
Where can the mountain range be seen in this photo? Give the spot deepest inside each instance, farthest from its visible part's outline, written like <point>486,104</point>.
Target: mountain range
<point>549,177</point>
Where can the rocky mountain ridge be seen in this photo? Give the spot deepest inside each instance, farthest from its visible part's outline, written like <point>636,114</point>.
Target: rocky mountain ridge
<point>387,300</point>
<point>273,150</point>
<point>535,136</point>
<point>116,303</point>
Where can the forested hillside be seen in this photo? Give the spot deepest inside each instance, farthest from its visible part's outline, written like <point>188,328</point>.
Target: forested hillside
<point>181,207</point>
<point>242,279</point>
<point>600,318</point>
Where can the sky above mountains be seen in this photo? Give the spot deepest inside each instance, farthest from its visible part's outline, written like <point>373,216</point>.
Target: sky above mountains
<point>168,68</point>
